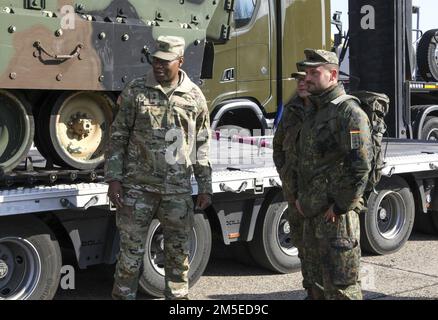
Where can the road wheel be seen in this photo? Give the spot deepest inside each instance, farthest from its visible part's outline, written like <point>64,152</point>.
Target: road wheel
<point>427,56</point>
<point>152,277</point>
<point>272,246</point>
<point>74,128</point>
<point>430,129</point>
<point>30,260</point>
<point>387,225</point>
<point>16,129</point>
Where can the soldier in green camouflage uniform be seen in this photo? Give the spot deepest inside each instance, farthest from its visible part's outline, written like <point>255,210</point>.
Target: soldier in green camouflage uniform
<point>283,145</point>
<point>158,139</point>
<point>333,161</point>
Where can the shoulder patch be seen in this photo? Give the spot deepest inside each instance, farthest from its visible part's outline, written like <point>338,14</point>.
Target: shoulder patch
<point>355,138</point>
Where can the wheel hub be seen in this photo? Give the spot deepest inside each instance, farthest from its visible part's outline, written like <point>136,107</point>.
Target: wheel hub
<point>383,214</point>
<point>80,126</point>
<point>286,227</point>
<point>433,135</point>
<point>284,238</point>
<point>4,269</point>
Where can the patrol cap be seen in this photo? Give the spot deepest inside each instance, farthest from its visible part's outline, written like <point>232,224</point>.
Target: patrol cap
<point>316,58</point>
<point>298,75</point>
<point>300,67</point>
<point>169,48</point>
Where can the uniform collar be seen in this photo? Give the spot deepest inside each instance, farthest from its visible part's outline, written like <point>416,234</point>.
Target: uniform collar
<point>327,96</point>
<point>185,86</point>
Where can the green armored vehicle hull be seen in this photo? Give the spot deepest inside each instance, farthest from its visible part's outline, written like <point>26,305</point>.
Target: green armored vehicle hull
<point>63,64</point>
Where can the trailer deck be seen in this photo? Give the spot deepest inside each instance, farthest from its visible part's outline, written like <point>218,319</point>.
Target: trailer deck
<point>237,168</point>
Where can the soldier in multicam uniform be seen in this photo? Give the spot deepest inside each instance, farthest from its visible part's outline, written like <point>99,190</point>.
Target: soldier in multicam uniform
<point>283,145</point>
<point>331,169</point>
<point>158,139</point>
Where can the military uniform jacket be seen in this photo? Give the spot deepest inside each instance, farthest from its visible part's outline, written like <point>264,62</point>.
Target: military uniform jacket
<point>157,142</point>
<point>333,155</point>
<point>284,142</point>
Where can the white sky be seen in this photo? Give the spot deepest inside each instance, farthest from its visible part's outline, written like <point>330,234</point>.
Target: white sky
<point>427,13</point>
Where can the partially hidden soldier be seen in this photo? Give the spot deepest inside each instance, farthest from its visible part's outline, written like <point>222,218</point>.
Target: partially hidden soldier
<point>158,139</point>
<point>331,170</point>
<point>284,143</point>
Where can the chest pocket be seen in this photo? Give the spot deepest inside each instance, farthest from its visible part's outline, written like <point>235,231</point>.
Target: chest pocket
<point>184,112</point>
<point>150,116</point>
<point>325,137</point>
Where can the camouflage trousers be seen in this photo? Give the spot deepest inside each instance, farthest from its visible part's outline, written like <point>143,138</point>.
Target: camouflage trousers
<point>335,267</point>
<point>296,221</point>
<point>175,213</point>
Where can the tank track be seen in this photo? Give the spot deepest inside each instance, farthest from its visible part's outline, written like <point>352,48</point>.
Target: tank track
<point>29,174</point>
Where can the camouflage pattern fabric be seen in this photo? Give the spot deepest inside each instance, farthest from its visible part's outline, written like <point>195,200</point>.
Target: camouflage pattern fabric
<point>175,213</point>
<point>308,255</point>
<point>157,142</point>
<point>283,144</point>
<point>332,169</point>
<point>335,263</point>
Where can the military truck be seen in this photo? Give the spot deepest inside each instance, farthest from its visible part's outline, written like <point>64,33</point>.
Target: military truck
<point>63,64</point>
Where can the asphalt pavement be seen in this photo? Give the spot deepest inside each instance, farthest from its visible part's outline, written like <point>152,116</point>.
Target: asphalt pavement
<point>410,274</point>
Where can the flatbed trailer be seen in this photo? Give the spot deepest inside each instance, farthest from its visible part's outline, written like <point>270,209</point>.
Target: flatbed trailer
<point>248,215</point>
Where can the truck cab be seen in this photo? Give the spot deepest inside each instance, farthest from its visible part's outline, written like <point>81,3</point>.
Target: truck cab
<point>249,80</point>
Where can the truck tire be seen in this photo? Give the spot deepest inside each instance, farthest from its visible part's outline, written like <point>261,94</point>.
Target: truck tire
<point>30,259</point>
<point>387,225</point>
<point>152,276</point>
<point>272,246</point>
<point>427,56</point>
<point>16,129</point>
<point>429,131</point>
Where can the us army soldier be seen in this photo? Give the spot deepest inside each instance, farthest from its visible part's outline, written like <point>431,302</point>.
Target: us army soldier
<point>148,176</point>
<point>283,145</point>
<point>334,152</point>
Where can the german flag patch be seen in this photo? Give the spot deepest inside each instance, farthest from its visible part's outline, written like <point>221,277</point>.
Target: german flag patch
<point>355,139</point>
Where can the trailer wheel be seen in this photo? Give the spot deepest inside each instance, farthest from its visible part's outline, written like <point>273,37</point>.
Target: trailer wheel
<point>30,260</point>
<point>387,225</point>
<point>16,129</point>
<point>430,129</point>
<point>73,128</point>
<point>152,277</point>
<point>272,246</point>
<point>427,56</point>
